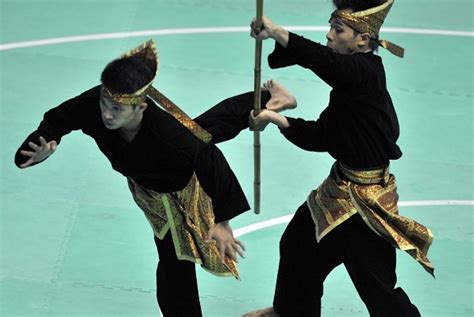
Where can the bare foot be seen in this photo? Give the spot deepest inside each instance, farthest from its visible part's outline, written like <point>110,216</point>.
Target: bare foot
<point>280,99</point>
<point>266,312</point>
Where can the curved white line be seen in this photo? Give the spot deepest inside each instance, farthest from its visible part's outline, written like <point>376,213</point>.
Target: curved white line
<point>285,219</point>
<point>237,29</point>
<point>436,203</point>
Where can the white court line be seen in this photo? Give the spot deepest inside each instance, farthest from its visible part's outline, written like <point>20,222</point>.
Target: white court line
<point>184,31</point>
<point>285,219</point>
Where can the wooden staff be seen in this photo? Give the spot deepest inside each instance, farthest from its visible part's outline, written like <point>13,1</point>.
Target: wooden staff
<point>257,108</point>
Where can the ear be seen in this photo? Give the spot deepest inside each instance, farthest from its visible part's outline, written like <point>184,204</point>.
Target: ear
<point>142,106</point>
<point>364,39</point>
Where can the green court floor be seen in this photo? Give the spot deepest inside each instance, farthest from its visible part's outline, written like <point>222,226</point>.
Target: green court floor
<point>72,241</point>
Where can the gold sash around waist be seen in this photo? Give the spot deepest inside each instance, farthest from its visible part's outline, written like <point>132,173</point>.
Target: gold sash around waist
<point>188,214</point>
<point>372,194</point>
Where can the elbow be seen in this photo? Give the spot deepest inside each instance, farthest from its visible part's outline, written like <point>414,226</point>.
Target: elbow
<point>312,148</point>
<point>276,62</point>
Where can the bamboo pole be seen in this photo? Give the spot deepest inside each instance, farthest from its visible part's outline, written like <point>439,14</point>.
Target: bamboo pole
<point>257,108</point>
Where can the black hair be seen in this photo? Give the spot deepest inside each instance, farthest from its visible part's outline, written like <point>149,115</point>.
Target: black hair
<point>360,5</point>
<point>357,5</point>
<point>126,75</point>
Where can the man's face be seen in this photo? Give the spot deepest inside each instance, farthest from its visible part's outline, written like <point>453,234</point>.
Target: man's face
<point>116,116</point>
<point>341,38</point>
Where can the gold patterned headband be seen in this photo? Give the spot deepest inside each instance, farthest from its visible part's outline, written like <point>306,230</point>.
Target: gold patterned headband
<point>149,54</point>
<point>369,21</point>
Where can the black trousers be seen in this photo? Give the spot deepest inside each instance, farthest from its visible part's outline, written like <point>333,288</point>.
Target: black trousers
<point>304,265</point>
<point>176,284</point>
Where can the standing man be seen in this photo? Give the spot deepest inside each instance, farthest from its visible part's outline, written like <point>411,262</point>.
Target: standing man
<point>352,217</point>
<point>177,176</point>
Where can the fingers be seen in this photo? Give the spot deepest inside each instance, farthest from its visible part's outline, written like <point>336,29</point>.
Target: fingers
<point>27,163</point>
<point>254,33</point>
<point>235,248</point>
<point>33,146</point>
<point>259,122</point>
<point>230,252</point>
<point>53,145</point>
<point>252,121</point>
<point>240,244</point>
<point>238,250</point>
<point>254,27</point>
<point>27,153</point>
<point>222,250</point>
<point>43,142</point>
<point>227,245</point>
<point>258,32</point>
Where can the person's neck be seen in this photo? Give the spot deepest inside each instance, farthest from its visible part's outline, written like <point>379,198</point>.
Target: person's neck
<point>129,131</point>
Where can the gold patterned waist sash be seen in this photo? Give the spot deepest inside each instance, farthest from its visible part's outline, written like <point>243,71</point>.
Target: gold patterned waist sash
<point>378,175</point>
<point>373,195</point>
<point>188,214</point>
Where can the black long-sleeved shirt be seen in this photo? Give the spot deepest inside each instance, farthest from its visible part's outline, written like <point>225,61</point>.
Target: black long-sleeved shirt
<point>359,127</point>
<point>162,156</point>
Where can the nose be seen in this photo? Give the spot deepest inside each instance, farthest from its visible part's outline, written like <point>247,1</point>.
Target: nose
<point>329,36</point>
<point>107,114</point>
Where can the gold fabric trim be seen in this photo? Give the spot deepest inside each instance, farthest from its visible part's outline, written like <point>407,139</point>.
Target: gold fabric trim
<point>372,194</point>
<point>188,214</point>
<point>370,21</point>
<point>367,177</point>
<point>329,205</point>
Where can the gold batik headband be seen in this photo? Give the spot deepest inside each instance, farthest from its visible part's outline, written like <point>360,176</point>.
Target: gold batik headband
<point>149,53</point>
<point>369,21</point>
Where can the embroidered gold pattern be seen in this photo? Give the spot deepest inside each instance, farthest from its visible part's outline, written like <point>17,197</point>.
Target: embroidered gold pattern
<point>188,214</point>
<point>372,194</point>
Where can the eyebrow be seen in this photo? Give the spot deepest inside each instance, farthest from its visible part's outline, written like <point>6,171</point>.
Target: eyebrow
<point>336,22</point>
<point>109,102</point>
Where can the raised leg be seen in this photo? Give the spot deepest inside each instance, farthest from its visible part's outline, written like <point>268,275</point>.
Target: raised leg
<point>230,116</point>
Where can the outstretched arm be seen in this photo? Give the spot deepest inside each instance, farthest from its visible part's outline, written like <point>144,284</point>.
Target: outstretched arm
<point>337,70</point>
<point>57,122</point>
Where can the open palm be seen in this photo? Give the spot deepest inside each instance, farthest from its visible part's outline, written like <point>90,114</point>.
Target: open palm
<point>39,152</point>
